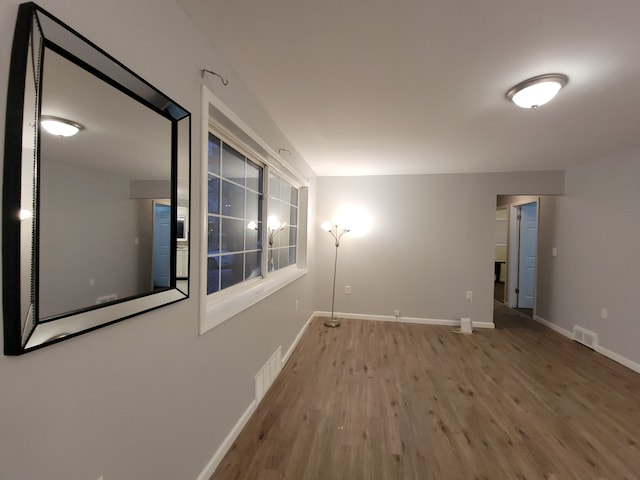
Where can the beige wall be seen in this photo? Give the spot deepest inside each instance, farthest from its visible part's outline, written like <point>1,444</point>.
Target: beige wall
<point>90,206</point>
<point>432,239</point>
<point>596,229</point>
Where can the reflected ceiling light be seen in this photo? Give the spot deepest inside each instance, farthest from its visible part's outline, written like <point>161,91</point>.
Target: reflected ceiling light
<point>538,90</point>
<point>60,126</point>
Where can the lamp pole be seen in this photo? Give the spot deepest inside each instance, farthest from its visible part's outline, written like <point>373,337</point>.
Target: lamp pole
<point>327,227</point>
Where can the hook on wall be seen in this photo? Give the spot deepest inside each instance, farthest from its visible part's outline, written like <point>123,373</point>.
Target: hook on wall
<point>224,81</point>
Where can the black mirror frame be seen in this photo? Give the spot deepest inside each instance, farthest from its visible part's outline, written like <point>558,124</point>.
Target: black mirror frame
<point>19,335</point>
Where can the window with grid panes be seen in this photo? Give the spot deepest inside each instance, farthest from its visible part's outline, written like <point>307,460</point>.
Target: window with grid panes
<point>282,223</point>
<point>234,217</point>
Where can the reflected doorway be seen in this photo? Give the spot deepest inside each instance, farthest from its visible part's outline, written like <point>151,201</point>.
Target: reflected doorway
<point>161,245</point>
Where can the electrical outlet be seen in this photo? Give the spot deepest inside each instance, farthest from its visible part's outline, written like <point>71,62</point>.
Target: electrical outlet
<point>92,282</point>
<point>604,313</point>
<point>347,289</point>
<point>396,312</point>
<point>469,295</point>
<point>297,305</point>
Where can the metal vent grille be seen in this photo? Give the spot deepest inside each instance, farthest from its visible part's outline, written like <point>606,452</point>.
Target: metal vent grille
<point>585,337</point>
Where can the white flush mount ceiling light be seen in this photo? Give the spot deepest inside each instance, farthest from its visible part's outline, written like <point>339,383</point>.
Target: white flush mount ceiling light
<point>538,90</point>
<point>59,126</point>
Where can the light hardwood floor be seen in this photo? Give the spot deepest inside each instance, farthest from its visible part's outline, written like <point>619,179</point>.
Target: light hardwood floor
<point>383,400</point>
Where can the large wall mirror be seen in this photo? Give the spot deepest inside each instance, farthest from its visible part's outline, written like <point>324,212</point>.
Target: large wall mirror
<point>95,224</point>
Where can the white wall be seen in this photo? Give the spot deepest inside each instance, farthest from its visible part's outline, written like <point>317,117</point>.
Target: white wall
<point>148,397</point>
<point>432,240</point>
<point>596,229</point>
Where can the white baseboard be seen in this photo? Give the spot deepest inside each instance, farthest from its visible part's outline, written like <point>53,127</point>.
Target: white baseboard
<point>237,428</point>
<point>619,358</point>
<point>293,346</point>
<point>227,442</point>
<point>601,350</point>
<point>389,318</point>
<point>553,327</point>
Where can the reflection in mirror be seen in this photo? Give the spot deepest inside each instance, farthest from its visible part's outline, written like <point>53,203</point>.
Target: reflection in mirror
<point>89,214</point>
<point>95,225</point>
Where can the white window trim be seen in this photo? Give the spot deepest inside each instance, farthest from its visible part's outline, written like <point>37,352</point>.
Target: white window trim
<point>225,304</point>
<point>229,302</point>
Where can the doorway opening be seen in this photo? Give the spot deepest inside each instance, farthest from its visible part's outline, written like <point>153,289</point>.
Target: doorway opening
<point>516,255</point>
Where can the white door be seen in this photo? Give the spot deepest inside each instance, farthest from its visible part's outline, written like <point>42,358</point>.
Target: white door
<point>527,255</point>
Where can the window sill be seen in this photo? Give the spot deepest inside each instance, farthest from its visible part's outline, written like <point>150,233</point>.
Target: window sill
<point>223,305</point>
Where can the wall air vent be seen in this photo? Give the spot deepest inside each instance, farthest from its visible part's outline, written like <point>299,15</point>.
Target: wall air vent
<point>585,337</point>
<point>268,373</point>
<point>107,298</point>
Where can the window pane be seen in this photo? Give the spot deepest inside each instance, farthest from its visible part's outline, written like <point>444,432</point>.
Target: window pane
<point>252,265</point>
<point>214,195</point>
<point>254,206</point>
<point>283,257</point>
<point>254,176</point>
<point>272,264</point>
<point>285,191</point>
<point>293,235</point>
<point>232,235</point>
<point>253,238</point>
<point>274,209</point>
<point>213,281</point>
<point>274,186</point>
<point>231,269</point>
<point>283,216</point>
<point>293,216</point>
<point>213,234</point>
<point>232,200</point>
<point>275,237</point>
<point>292,255</point>
<point>294,197</point>
<point>214,154</point>
<point>232,165</point>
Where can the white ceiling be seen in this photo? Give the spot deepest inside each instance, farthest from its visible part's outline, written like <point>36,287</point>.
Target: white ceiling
<point>418,86</point>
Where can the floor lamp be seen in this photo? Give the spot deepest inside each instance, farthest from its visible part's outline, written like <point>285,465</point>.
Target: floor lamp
<point>337,235</point>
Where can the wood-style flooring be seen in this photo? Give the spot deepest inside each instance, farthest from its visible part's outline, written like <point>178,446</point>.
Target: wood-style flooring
<point>386,400</point>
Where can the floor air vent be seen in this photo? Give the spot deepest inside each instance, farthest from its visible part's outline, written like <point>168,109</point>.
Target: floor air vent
<point>585,337</point>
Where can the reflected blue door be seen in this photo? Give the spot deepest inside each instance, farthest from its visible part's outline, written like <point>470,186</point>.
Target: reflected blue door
<point>161,245</point>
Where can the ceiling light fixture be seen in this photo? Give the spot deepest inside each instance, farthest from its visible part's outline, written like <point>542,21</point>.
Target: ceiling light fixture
<point>60,126</point>
<point>538,90</point>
